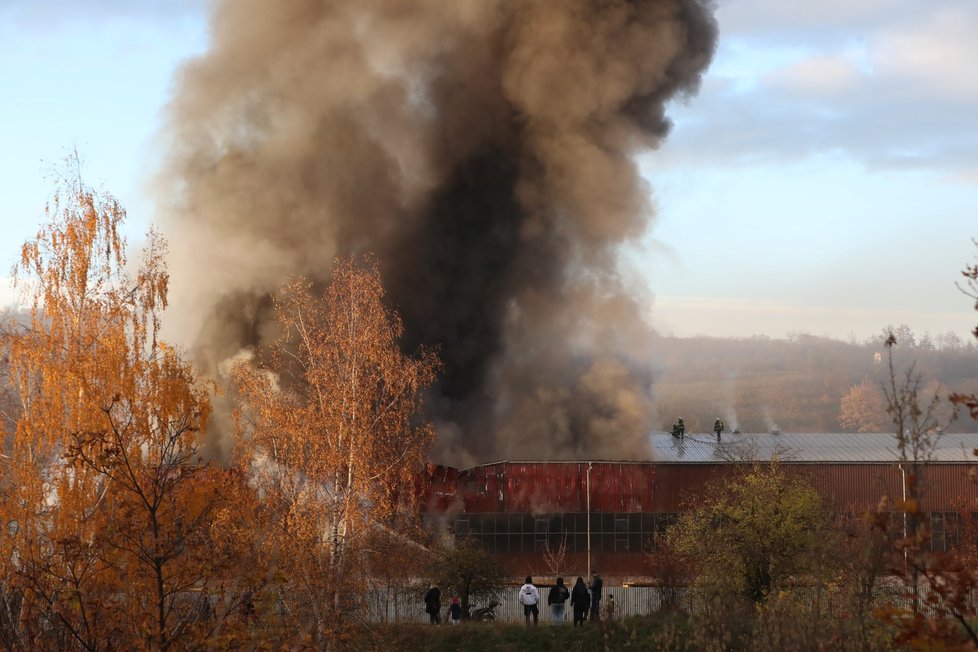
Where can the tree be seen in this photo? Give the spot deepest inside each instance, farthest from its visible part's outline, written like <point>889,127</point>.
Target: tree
<point>863,408</point>
<point>950,580</point>
<point>462,568</point>
<point>671,574</point>
<point>970,273</point>
<point>555,556</point>
<point>750,533</point>
<point>330,434</point>
<point>109,510</point>
<point>903,336</point>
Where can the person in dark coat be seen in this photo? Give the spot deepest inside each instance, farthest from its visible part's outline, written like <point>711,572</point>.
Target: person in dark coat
<point>432,604</point>
<point>556,599</point>
<point>580,601</point>
<point>596,585</point>
<point>679,428</point>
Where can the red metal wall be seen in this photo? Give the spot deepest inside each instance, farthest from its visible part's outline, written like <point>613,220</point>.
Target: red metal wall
<point>559,487</point>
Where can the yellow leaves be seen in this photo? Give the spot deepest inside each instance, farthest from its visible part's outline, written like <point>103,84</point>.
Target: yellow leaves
<point>908,506</point>
<point>330,450</point>
<point>107,487</point>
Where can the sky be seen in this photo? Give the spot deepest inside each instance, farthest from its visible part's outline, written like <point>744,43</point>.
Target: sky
<point>822,181</point>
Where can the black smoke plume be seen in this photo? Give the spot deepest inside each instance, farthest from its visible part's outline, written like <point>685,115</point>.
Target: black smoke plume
<point>483,150</point>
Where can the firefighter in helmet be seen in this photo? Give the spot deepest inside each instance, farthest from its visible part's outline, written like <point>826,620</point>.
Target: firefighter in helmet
<point>679,429</point>
<point>718,427</point>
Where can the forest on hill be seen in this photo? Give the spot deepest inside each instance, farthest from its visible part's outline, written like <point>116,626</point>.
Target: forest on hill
<point>805,383</point>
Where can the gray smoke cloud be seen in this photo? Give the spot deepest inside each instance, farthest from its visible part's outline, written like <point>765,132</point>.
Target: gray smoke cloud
<point>483,150</point>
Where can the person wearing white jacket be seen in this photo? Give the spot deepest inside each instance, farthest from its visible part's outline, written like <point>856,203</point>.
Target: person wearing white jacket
<point>530,598</point>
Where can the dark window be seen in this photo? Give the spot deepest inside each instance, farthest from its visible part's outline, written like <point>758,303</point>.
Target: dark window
<point>648,523</point>
<point>634,522</point>
<point>621,535</point>
<point>938,542</point>
<point>461,527</point>
<point>514,543</point>
<point>569,523</point>
<point>635,542</point>
<point>540,528</point>
<point>580,543</point>
<point>952,529</point>
<point>489,523</point>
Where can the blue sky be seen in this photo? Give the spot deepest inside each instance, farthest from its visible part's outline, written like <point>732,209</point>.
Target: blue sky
<point>824,179</point>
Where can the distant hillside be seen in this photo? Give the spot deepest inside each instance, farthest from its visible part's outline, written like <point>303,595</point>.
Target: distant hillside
<point>796,384</point>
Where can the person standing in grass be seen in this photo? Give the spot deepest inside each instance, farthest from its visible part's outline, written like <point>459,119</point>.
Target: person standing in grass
<point>530,598</point>
<point>432,604</point>
<point>456,611</point>
<point>596,585</point>
<point>580,601</point>
<point>556,599</point>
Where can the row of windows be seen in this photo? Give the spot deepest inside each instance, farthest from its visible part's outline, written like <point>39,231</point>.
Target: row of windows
<point>618,532</point>
<point>502,523</point>
<point>528,533</point>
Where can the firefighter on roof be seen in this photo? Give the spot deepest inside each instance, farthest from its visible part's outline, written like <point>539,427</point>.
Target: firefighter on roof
<point>679,429</point>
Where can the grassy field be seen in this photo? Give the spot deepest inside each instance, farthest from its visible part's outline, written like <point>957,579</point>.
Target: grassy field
<point>638,633</point>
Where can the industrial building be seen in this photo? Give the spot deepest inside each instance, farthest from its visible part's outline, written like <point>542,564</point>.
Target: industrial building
<point>607,513</point>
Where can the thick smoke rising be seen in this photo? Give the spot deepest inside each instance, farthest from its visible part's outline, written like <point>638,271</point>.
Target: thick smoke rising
<point>483,150</point>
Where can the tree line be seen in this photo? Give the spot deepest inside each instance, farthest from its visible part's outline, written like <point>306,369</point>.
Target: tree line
<point>803,383</point>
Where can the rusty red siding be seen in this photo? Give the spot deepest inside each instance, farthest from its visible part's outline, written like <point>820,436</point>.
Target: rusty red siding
<point>550,487</point>
<point>562,487</point>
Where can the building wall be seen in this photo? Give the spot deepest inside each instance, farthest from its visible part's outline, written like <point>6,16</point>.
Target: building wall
<point>649,487</point>
<point>521,511</point>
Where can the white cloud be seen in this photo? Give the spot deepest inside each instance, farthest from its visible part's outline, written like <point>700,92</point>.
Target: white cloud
<point>897,90</point>
<point>825,75</point>
<point>939,55</point>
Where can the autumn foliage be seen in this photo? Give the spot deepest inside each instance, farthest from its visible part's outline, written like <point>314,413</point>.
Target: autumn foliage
<point>115,533</point>
<point>328,433</point>
<point>106,509</point>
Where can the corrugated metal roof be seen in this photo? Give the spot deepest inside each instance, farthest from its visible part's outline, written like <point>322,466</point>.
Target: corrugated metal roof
<point>837,447</point>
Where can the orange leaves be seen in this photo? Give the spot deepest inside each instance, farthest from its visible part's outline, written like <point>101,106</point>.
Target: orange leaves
<point>908,506</point>
<point>328,425</point>
<point>113,508</point>
<point>863,408</point>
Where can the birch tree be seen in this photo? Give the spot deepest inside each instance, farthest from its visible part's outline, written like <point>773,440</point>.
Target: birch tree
<point>105,512</point>
<point>331,435</point>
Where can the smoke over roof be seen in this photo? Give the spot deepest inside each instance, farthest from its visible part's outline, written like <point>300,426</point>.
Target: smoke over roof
<point>482,149</point>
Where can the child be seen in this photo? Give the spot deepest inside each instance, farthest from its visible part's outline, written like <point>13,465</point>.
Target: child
<point>456,610</point>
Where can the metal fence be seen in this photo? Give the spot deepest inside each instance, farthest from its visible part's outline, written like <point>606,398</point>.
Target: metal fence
<point>406,605</point>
